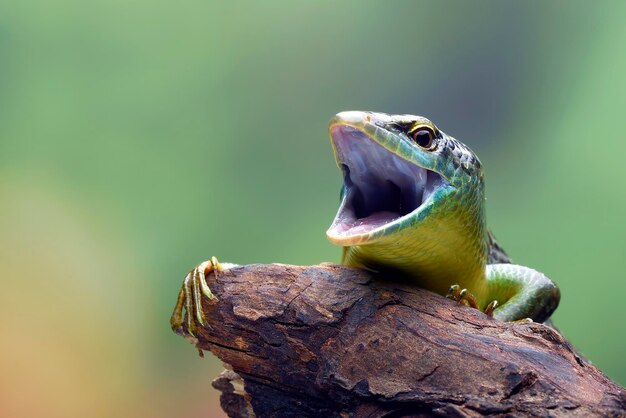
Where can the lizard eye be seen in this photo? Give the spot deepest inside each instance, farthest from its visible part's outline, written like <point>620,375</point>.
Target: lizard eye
<point>423,136</point>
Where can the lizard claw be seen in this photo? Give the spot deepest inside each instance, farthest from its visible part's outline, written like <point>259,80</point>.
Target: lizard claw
<point>489,309</point>
<point>522,321</point>
<point>463,296</point>
<point>454,292</point>
<point>190,299</point>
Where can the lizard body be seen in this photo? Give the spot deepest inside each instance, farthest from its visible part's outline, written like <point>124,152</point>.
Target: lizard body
<point>412,205</point>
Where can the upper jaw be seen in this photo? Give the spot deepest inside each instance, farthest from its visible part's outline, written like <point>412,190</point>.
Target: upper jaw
<point>382,188</point>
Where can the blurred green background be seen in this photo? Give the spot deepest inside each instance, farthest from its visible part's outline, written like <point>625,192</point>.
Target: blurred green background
<point>139,138</point>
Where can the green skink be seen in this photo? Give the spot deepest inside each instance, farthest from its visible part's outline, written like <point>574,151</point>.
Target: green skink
<point>412,206</point>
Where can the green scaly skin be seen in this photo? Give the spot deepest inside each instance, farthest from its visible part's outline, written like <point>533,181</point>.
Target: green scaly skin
<point>442,244</point>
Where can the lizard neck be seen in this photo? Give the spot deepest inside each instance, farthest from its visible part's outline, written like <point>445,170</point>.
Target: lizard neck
<point>450,247</point>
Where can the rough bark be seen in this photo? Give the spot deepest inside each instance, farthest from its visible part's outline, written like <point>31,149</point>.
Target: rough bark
<point>332,341</point>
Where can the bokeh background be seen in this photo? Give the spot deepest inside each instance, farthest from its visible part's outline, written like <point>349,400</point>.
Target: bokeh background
<point>139,138</point>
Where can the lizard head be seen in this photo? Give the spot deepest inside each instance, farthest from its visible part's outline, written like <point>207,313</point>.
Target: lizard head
<point>398,170</point>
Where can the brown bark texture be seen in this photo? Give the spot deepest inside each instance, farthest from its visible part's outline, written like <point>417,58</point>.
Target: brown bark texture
<point>334,341</point>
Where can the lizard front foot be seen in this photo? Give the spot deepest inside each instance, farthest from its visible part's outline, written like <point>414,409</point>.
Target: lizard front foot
<point>463,296</point>
<point>190,299</point>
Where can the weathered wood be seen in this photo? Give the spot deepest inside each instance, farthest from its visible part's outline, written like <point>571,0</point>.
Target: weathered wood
<point>332,341</point>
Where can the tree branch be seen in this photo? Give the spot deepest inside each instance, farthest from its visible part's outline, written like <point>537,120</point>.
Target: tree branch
<point>334,341</point>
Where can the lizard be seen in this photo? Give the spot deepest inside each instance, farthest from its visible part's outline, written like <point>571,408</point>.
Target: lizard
<point>412,206</point>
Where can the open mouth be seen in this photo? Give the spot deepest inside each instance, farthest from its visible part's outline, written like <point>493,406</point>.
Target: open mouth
<point>380,186</point>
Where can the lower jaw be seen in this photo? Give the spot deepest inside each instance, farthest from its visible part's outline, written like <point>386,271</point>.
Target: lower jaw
<point>366,225</point>
<point>346,240</point>
<point>351,236</point>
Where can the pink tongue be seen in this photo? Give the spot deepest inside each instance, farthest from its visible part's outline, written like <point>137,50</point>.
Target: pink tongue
<point>363,225</point>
